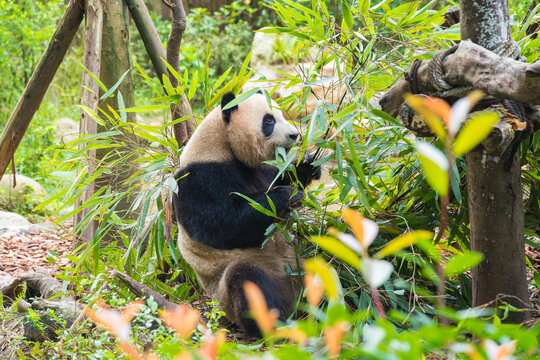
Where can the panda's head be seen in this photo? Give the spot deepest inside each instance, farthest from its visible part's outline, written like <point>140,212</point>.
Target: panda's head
<point>254,130</point>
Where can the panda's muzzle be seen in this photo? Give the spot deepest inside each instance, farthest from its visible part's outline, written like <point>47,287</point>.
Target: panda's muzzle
<point>293,136</point>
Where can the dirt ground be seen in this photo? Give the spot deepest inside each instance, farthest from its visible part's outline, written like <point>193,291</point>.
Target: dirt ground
<point>38,251</point>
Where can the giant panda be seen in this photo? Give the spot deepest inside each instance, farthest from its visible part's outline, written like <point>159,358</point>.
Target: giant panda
<point>220,235</point>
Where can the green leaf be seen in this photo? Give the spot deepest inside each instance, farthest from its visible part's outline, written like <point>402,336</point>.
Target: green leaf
<point>96,79</point>
<point>434,166</point>
<point>115,86</point>
<point>193,85</point>
<point>221,78</point>
<point>121,107</point>
<point>347,15</point>
<point>327,274</point>
<point>241,98</point>
<point>145,108</point>
<point>404,241</point>
<point>339,249</point>
<point>474,131</point>
<point>460,263</point>
<point>258,206</point>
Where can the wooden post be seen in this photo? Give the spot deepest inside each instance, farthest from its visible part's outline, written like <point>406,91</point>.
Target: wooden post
<point>89,98</point>
<point>157,54</point>
<point>494,190</point>
<point>39,82</point>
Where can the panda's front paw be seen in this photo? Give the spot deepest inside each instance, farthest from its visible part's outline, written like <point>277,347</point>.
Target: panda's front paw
<point>294,195</point>
<point>296,199</point>
<point>306,172</point>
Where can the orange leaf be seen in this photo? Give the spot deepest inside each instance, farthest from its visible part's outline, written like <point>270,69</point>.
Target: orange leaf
<point>130,350</point>
<point>355,219</point>
<point>209,350</point>
<point>314,289</point>
<point>333,336</point>
<point>129,312</point>
<point>183,356</point>
<point>296,335</point>
<point>112,321</point>
<point>439,107</point>
<point>266,319</point>
<point>182,319</point>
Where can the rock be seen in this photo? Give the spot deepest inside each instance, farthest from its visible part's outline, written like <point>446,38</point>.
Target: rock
<point>23,306</point>
<point>12,220</point>
<point>42,285</point>
<point>52,315</point>
<point>23,185</point>
<point>326,87</point>
<point>270,48</point>
<point>65,130</point>
<point>25,229</point>
<point>9,285</point>
<point>45,326</point>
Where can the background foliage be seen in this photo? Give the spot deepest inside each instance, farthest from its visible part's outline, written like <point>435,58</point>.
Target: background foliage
<point>370,159</point>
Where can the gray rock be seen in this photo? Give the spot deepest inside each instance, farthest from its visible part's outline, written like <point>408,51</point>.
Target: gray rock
<point>9,220</point>
<point>9,284</point>
<point>23,185</point>
<point>65,130</point>
<point>26,229</point>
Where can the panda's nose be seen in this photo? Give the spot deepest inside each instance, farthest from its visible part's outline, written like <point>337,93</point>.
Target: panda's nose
<point>293,135</point>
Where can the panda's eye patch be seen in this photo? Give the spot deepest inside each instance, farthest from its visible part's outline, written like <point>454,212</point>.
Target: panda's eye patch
<point>268,124</point>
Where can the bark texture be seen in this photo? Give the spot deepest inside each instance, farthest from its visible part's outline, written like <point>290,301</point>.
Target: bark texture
<point>39,82</point>
<point>496,216</point>
<point>184,129</point>
<point>115,61</point>
<point>157,54</point>
<point>472,65</point>
<point>89,98</point>
<point>494,190</point>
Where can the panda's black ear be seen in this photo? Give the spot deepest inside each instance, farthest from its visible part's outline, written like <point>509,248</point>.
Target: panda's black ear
<point>227,98</point>
<point>260,92</point>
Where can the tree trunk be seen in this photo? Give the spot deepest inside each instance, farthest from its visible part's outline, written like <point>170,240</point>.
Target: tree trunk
<point>89,98</point>
<point>494,190</point>
<point>39,82</point>
<point>115,61</point>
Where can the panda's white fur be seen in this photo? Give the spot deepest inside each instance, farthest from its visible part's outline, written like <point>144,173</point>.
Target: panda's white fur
<point>219,233</point>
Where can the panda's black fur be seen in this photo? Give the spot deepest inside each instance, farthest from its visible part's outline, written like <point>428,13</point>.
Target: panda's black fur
<point>220,233</point>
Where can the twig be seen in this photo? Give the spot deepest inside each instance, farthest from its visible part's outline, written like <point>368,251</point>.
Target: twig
<point>143,291</point>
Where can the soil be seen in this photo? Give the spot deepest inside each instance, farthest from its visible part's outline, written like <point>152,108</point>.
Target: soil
<point>38,251</point>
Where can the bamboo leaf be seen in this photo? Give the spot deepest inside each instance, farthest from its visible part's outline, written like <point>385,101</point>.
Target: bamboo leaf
<point>347,15</point>
<point>474,131</point>
<point>193,85</point>
<point>339,249</point>
<point>241,98</point>
<point>145,108</point>
<point>460,263</point>
<point>96,79</point>
<point>404,241</point>
<point>434,166</point>
<point>327,274</point>
<point>115,86</point>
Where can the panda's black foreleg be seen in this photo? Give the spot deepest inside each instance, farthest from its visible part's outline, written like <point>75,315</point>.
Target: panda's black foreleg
<point>277,295</point>
<point>306,172</point>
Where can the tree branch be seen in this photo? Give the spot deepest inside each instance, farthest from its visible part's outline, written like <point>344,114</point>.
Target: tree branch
<point>475,66</point>
<point>39,82</point>
<point>182,130</point>
<point>143,291</point>
<point>155,50</point>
